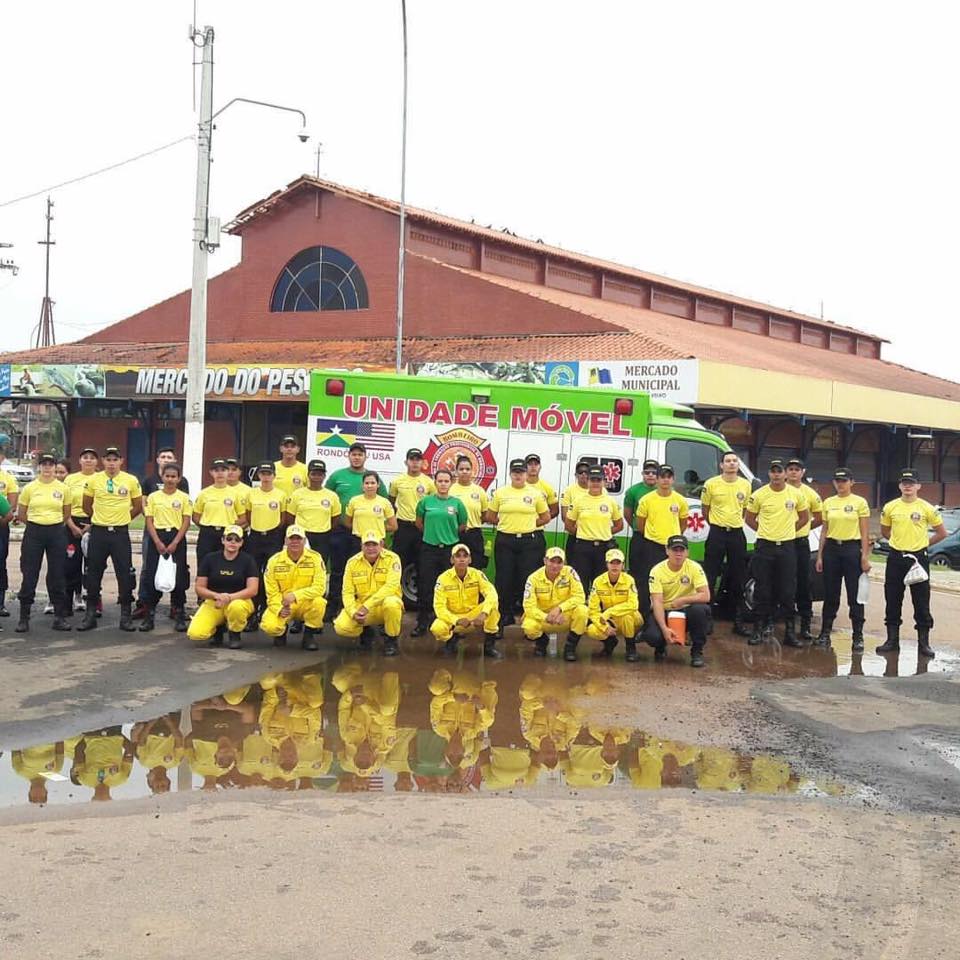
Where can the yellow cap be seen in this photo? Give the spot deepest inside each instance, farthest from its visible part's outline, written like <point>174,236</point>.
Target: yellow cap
<point>371,536</point>
<point>555,552</point>
<point>458,547</point>
<point>234,530</point>
<point>295,530</point>
<point>613,554</point>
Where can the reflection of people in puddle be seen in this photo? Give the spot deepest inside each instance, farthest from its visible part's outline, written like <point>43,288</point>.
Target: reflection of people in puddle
<point>291,721</point>
<point>102,759</point>
<point>220,726</point>
<point>159,748</point>
<point>718,768</point>
<point>766,774</point>
<point>593,757</point>
<point>38,764</point>
<point>366,716</point>
<point>549,720</point>
<point>856,665</point>
<point>502,768</point>
<point>462,709</point>
<point>653,763</point>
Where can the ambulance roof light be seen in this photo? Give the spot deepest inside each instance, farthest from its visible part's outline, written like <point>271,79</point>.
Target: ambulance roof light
<point>335,388</point>
<point>623,406</point>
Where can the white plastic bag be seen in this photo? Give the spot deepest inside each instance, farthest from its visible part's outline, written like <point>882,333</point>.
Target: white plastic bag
<point>916,574</point>
<point>166,576</point>
<point>863,589</point>
<point>85,543</point>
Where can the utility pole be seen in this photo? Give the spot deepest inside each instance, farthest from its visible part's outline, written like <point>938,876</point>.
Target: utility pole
<point>401,256</point>
<point>44,333</point>
<point>197,345</point>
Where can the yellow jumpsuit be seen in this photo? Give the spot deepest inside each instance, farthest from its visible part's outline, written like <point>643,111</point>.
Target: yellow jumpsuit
<point>367,712</point>
<point>374,586</point>
<point>104,762</point>
<point>541,595</point>
<point>306,579</point>
<point>508,767</point>
<point>209,616</point>
<point>297,713</point>
<point>462,704</point>
<point>454,599</point>
<point>257,757</point>
<point>546,710</point>
<point>616,604</point>
<point>718,769</point>
<point>585,766</point>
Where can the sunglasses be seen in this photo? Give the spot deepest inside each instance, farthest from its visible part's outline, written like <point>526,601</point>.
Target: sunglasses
<point>555,560</point>
<point>232,539</point>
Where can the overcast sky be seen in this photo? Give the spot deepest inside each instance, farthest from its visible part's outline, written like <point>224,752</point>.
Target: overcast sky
<point>792,154</point>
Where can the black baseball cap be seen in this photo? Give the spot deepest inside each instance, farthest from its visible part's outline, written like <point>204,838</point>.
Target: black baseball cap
<point>232,462</point>
<point>518,466</point>
<point>89,450</point>
<point>532,458</point>
<point>909,476</point>
<point>46,458</point>
<point>582,467</point>
<point>218,464</point>
<point>842,473</point>
<point>316,465</point>
<point>795,462</point>
<point>165,450</point>
<point>595,473</point>
<point>414,453</point>
<point>290,438</point>
<point>665,470</point>
<point>266,467</point>
<point>677,540</point>
<point>357,446</point>
<point>112,452</point>
<point>776,465</point>
<point>651,465</point>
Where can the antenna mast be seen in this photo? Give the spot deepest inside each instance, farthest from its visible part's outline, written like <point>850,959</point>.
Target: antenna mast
<point>44,332</point>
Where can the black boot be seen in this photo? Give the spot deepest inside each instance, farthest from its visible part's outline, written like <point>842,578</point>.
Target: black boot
<point>632,656</point>
<point>609,645</point>
<point>23,624</point>
<point>419,630</point>
<point>696,657</point>
<point>660,652</point>
<point>148,620</point>
<point>490,647</point>
<point>805,632</point>
<point>280,641</point>
<point>540,647</point>
<point>296,626</point>
<point>790,638</point>
<point>217,639</point>
<point>234,640</point>
<point>126,618</point>
<point>893,640</point>
<point>309,641</point>
<point>823,638</point>
<point>366,639</point>
<point>740,628</point>
<point>61,619</point>
<point>857,645</point>
<point>570,647</point>
<point>89,620</point>
<point>253,624</point>
<point>923,643</point>
<point>179,620</point>
<point>391,646</point>
<point>756,638</point>
<point>450,647</point>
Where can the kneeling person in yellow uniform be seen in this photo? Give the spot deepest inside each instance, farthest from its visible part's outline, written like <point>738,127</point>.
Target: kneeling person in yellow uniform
<point>464,600</point>
<point>372,595</point>
<point>227,582</point>
<point>553,599</point>
<point>295,581</point>
<point>615,607</point>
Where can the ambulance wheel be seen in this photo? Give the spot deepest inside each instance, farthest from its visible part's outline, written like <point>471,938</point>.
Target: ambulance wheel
<point>408,584</point>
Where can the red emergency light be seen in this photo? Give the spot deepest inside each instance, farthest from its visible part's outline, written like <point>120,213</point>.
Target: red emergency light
<point>335,388</point>
<point>623,406</point>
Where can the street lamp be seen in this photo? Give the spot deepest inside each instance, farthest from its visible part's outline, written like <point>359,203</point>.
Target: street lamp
<point>197,345</point>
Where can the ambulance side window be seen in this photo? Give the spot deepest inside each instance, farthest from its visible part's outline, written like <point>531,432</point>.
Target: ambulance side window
<point>693,463</point>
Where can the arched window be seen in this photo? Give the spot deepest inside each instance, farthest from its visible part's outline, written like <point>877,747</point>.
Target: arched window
<point>319,278</point>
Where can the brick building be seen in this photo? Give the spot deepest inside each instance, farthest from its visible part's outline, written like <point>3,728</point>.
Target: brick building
<point>316,287</point>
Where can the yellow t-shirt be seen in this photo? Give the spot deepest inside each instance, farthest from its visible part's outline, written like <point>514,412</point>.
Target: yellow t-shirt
<point>726,501</point>
<point>665,516</point>
<point>909,523</point>
<point>8,484</point>
<point>167,510</point>
<point>777,511</point>
<point>113,498</point>
<point>474,498</point>
<point>814,505</point>
<point>45,501</point>
<point>595,516</point>
<point>408,491</point>
<point>289,479</point>
<point>549,494</point>
<point>369,514</point>
<point>676,583</point>
<point>266,509</point>
<point>79,484</point>
<point>841,516</point>
<point>218,506</point>
<point>572,494</point>
<point>314,510</point>
<point>517,509</point>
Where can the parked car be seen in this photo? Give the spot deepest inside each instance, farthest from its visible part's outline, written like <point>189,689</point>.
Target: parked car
<point>22,473</point>
<point>946,553</point>
<point>951,522</point>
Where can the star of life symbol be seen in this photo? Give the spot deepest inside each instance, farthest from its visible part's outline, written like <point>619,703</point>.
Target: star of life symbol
<point>697,526</point>
<point>611,473</point>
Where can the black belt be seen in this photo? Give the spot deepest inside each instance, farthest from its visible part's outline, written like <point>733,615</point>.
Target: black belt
<point>716,526</point>
<point>518,536</point>
<point>264,533</point>
<point>838,543</point>
<point>775,543</point>
<point>439,546</point>
<point>594,543</point>
<point>904,553</point>
<point>116,526</point>
<point>207,526</point>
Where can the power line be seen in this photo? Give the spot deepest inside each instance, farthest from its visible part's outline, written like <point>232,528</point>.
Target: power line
<point>96,173</point>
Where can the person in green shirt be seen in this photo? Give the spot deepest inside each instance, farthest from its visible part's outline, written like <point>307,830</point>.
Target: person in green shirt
<point>346,483</point>
<point>631,498</point>
<point>442,520</point>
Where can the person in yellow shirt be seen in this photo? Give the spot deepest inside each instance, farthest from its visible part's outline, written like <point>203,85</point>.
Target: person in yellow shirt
<point>575,490</point>
<point>553,600</point>
<point>723,501</point>
<point>295,583</point>
<point>167,520</point>
<point>370,511</point>
<point>236,484</point>
<point>36,764</point>
<point>159,749</point>
<point>776,511</point>
<point>906,522</point>
<point>316,509</point>
<point>372,595</point>
<point>464,600</point>
<point>550,719</point>
<point>796,471</point>
<point>475,499</point>
<point>532,461</point>
<point>267,510</point>
<point>462,710</point>
<point>678,584</point>
<point>112,500</point>
<point>405,492</point>
<point>843,554</point>
<point>661,514</point>
<point>102,759</point>
<point>11,490</point>
<point>78,524</point>
<point>366,714</point>
<point>44,505</point>
<point>517,511</point>
<point>593,521</point>
<point>291,472</point>
<point>615,608</point>
<point>217,507</point>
